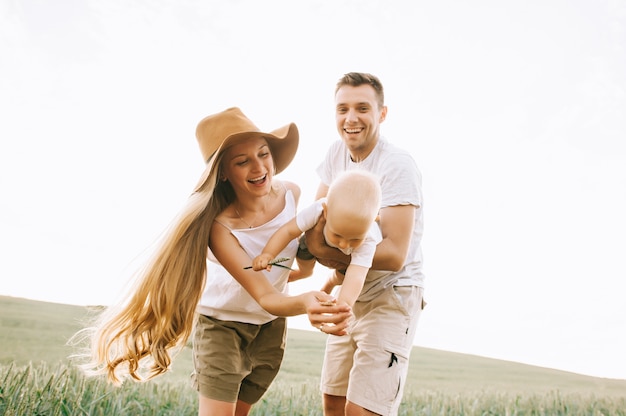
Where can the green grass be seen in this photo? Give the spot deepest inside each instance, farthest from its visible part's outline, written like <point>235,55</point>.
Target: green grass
<point>36,378</point>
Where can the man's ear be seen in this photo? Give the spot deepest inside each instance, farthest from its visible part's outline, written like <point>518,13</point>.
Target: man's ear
<point>383,114</point>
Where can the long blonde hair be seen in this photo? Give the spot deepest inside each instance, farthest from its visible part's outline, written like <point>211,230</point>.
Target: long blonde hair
<point>157,316</point>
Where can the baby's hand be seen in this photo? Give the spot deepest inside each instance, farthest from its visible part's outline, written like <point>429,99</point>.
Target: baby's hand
<point>261,262</point>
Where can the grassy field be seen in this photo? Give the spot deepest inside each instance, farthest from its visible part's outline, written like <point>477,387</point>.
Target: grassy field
<point>37,378</point>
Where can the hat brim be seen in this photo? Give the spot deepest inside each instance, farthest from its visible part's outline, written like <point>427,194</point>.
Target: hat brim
<point>283,143</point>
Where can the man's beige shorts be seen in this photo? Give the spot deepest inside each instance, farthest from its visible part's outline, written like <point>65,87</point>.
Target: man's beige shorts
<point>369,365</point>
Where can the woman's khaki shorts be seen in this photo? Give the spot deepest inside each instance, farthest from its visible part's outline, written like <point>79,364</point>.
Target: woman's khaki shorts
<point>234,360</point>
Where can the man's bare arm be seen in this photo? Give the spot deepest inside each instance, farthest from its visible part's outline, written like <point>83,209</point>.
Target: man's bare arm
<point>396,226</point>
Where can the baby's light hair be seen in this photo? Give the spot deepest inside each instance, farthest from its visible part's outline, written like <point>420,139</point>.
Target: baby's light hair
<point>355,193</point>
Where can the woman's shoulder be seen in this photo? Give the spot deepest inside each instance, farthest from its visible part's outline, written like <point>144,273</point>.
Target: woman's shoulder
<point>227,218</point>
<point>291,186</point>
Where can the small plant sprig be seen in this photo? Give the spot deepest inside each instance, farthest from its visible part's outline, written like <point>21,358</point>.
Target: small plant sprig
<point>275,263</point>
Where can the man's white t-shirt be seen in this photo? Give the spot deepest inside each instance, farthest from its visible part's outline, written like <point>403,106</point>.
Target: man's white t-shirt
<point>401,184</point>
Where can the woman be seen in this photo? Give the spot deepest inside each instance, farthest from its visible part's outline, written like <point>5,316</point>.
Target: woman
<point>240,329</point>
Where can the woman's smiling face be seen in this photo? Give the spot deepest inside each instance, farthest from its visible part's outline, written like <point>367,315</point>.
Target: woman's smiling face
<point>249,166</point>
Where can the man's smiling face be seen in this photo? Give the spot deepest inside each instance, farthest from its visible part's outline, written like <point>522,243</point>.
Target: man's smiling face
<point>358,117</point>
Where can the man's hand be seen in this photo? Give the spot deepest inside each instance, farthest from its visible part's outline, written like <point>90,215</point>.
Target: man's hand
<point>305,269</point>
<point>335,279</point>
<point>328,256</point>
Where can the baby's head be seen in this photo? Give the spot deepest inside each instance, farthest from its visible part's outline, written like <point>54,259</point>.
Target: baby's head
<point>352,205</point>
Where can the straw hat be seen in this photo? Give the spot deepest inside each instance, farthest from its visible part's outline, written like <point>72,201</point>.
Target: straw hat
<point>219,131</point>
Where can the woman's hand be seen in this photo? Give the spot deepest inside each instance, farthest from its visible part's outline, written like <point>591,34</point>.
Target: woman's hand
<point>325,315</point>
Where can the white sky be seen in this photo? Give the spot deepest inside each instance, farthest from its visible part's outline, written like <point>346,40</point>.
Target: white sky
<point>515,113</point>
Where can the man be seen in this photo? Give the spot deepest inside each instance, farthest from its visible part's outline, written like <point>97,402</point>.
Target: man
<point>364,372</point>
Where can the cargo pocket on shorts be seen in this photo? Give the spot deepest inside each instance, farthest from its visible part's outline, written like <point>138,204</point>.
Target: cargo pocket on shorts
<point>396,367</point>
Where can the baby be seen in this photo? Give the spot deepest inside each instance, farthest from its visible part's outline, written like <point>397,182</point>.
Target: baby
<point>350,210</point>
